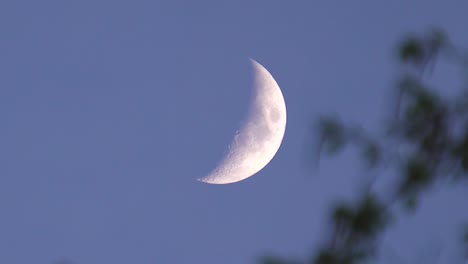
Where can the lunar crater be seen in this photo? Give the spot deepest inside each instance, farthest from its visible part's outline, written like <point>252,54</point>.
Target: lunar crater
<point>257,141</point>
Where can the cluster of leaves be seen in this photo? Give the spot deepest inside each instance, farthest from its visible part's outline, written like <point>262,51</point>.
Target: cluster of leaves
<point>355,229</point>
<point>427,142</point>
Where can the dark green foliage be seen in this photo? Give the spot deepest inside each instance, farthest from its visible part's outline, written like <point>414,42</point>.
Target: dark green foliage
<point>460,152</point>
<point>330,257</point>
<point>355,229</point>
<point>422,145</point>
<point>332,134</point>
<point>363,220</point>
<point>423,105</point>
<point>327,257</point>
<point>343,215</point>
<point>411,50</point>
<point>276,260</point>
<point>370,218</point>
<point>416,177</point>
<point>420,50</point>
<point>424,120</point>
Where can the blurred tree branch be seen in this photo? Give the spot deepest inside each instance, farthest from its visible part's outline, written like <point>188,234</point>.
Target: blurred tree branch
<point>426,142</point>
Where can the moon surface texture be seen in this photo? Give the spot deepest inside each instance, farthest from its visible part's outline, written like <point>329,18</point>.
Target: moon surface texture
<point>260,136</point>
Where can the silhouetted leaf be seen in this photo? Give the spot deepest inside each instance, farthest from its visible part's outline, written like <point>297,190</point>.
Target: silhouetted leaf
<point>333,134</point>
<point>343,214</point>
<point>417,176</point>
<point>276,260</point>
<point>460,152</point>
<point>370,217</point>
<point>327,257</point>
<point>411,50</point>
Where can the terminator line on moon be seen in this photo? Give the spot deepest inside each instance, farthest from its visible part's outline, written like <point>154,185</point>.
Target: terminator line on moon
<point>257,141</point>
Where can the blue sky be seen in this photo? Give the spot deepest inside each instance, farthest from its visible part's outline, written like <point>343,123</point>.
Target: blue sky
<point>110,111</point>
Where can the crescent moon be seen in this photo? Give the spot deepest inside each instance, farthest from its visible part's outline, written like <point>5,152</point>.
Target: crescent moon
<point>259,138</point>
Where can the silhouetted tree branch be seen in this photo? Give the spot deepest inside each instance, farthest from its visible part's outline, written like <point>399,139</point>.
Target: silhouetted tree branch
<point>426,142</point>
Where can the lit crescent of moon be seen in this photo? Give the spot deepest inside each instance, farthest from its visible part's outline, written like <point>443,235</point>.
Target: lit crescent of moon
<point>257,141</point>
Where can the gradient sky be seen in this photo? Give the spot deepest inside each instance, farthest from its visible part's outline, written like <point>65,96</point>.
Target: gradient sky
<point>110,111</point>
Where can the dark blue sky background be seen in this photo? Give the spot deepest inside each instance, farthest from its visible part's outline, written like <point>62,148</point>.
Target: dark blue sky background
<point>110,111</point>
